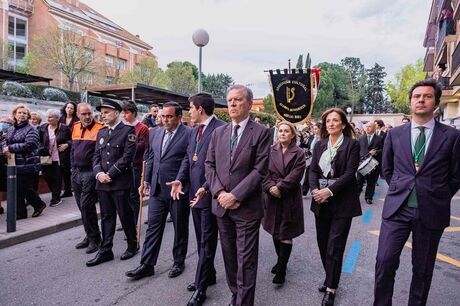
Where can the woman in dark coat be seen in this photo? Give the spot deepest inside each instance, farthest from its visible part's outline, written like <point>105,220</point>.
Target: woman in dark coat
<point>69,114</point>
<point>23,141</point>
<point>335,194</point>
<point>55,140</point>
<point>283,216</point>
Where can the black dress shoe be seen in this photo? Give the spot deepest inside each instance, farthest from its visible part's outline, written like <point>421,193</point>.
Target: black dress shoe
<point>39,211</point>
<point>191,287</point>
<point>369,201</point>
<point>142,271</point>
<point>328,299</point>
<point>92,247</point>
<point>129,253</point>
<point>101,257</point>
<point>82,244</point>
<point>2,210</point>
<point>322,288</point>
<point>275,268</point>
<point>176,270</point>
<point>197,299</point>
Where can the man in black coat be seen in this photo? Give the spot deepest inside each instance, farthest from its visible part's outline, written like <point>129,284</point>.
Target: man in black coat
<point>113,168</point>
<point>370,145</point>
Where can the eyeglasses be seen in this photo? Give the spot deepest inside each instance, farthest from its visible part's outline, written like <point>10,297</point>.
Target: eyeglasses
<point>86,114</point>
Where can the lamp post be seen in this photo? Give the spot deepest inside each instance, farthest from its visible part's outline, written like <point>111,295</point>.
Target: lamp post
<point>349,111</point>
<point>200,38</point>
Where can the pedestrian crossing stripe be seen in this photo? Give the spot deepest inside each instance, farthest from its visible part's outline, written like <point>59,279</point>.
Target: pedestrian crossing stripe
<point>439,256</point>
<point>455,218</point>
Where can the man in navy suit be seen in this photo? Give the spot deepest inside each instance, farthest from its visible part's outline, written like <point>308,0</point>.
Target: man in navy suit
<point>421,167</point>
<point>168,146</point>
<point>370,144</point>
<point>192,171</point>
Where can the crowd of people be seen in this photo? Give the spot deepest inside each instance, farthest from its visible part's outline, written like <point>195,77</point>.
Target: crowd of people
<point>234,177</point>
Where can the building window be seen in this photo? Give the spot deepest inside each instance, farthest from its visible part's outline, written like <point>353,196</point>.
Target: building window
<point>17,39</point>
<point>109,60</point>
<point>121,64</point>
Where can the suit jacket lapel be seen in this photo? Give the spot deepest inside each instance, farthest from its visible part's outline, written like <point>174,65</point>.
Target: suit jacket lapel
<point>277,159</point>
<point>226,142</point>
<point>405,142</point>
<point>437,139</point>
<point>179,133</point>
<point>207,133</point>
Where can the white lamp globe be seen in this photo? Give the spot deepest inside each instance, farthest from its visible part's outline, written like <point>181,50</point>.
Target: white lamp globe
<point>200,37</point>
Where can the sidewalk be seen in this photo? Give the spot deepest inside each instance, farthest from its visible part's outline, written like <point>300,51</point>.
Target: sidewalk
<point>52,220</point>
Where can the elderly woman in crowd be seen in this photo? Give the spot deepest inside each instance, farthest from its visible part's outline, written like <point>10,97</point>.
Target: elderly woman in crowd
<point>35,119</point>
<point>55,140</point>
<point>283,217</point>
<point>22,143</point>
<point>69,114</point>
<point>335,194</point>
<point>5,123</point>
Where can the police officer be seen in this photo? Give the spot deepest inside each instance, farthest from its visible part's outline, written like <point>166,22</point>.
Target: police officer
<point>84,136</point>
<point>112,166</point>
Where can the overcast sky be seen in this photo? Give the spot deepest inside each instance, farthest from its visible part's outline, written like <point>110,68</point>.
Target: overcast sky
<point>250,36</point>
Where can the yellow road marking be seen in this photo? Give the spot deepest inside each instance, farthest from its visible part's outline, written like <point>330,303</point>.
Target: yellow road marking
<point>452,229</point>
<point>439,256</point>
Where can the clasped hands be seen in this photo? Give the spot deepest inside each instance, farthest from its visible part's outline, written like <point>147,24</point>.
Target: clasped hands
<point>274,191</point>
<point>321,195</point>
<point>227,200</point>
<point>104,178</point>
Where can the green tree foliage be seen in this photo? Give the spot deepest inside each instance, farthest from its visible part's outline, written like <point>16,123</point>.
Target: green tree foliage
<point>299,62</point>
<point>181,78</point>
<point>269,108</point>
<point>146,72</point>
<point>376,101</point>
<point>333,89</point>
<point>29,62</point>
<point>356,82</point>
<point>399,89</point>
<point>217,84</point>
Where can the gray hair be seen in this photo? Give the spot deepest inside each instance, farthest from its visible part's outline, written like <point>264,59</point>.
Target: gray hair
<point>81,104</point>
<point>53,112</point>
<point>249,94</point>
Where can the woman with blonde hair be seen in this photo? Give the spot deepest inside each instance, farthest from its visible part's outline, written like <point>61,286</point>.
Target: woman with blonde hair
<point>283,204</point>
<point>22,140</point>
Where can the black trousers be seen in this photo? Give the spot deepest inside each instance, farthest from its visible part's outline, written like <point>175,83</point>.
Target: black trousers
<point>52,175</point>
<point>394,233</point>
<point>134,197</point>
<point>239,239</point>
<point>25,191</point>
<point>113,202</point>
<point>331,235</point>
<point>84,184</point>
<point>205,224</point>
<point>66,175</point>
<point>158,212</point>
<point>306,183</point>
<point>371,181</point>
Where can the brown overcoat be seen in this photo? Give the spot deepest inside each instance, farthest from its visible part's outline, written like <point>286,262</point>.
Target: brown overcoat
<point>284,171</point>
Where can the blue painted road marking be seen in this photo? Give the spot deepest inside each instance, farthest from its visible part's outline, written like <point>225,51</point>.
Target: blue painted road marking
<point>352,257</point>
<point>367,216</point>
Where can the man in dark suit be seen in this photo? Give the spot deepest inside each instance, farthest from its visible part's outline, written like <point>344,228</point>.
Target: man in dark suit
<point>380,126</point>
<point>421,167</point>
<point>192,171</point>
<point>370,145</point>
<point>168,146</point>
<point>113,168</point>
<point>236,164</point>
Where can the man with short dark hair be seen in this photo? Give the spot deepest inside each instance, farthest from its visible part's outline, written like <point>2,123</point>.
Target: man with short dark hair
<point>168,145</point>
<point>192,172</point>
<point>380,129</point>
<point>84,135</point>
<point>422,169</point>
<point>150,118</point>
<point>112,167</point>
<point>236,164</point>
<point>142,133</point>
<point>257,120</point>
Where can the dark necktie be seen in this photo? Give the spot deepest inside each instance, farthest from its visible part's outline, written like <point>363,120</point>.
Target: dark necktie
<point>234,140</point>
<point>200,132</point>
<point>419,156</point>
<point>168,137</point>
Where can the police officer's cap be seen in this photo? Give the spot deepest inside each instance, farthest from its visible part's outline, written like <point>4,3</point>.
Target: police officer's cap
<point>108,103</point>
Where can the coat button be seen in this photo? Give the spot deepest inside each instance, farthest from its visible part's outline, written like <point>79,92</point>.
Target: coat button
<point>108,163</point>
<point>108,153</point>
<point>108,144</point>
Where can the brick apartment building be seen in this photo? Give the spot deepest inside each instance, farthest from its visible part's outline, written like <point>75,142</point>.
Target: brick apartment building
<point>442,58</point>
<point>117,50</point>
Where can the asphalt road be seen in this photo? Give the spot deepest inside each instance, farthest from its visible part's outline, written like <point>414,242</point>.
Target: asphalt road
<point>50,271</point>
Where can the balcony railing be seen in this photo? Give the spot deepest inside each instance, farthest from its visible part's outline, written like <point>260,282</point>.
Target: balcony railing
<point>456,59</point>
<point>445,83</point>
<point>447,28</point>
<point>26,6</point>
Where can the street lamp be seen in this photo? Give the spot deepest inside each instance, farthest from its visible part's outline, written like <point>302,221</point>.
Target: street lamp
<point>200,38</point>
<point>349,110</point>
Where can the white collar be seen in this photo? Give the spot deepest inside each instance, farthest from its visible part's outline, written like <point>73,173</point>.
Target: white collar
<point>428,125</point>
<point>242,124</point>
<point>173,131</point>
<point>207,121</point>
<point>135,122</point>
<point>114,126</point>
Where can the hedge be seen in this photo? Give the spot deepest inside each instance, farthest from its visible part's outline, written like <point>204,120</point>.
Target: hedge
<point>222,114</point>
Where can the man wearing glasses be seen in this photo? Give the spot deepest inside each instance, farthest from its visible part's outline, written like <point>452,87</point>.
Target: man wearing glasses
<point>168,146</point>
